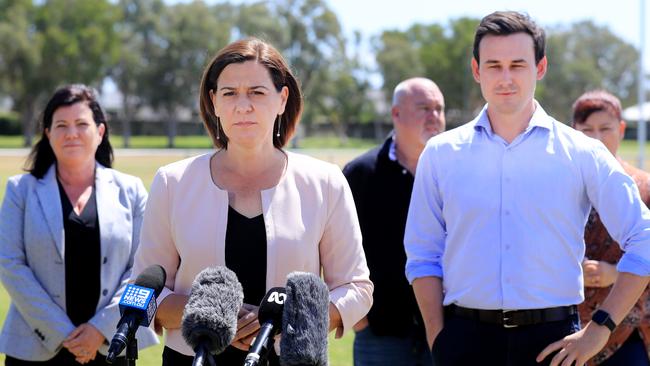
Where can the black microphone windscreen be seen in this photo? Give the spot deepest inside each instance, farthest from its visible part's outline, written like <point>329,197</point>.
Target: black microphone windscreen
<point>271,306</point>
<point>210,316</point>
<point>152,277</point>
<point>305,321</point>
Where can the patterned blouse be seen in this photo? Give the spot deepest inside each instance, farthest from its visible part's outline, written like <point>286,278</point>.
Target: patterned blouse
<point>601,246</point>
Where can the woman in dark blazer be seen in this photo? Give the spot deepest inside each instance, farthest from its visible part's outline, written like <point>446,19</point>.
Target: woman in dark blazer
<point>68,232</point>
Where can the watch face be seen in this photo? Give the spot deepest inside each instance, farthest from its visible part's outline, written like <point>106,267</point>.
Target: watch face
<point>600,317</point>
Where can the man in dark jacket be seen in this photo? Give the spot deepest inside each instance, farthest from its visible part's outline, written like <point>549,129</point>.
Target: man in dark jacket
<point>381,182</point>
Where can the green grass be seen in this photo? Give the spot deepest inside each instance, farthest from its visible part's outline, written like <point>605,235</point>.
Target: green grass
<point>145,167</point>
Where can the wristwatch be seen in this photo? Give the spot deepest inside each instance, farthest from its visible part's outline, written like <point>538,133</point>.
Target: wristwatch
<point>601,317</point>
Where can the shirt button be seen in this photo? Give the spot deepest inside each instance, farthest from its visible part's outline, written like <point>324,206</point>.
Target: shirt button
<point>105,292</point>
<point>507,213</point>
<point>105,260</point>
<point>507,246</point>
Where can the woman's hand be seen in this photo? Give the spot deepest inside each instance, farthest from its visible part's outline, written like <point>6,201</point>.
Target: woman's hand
<point>361,325</point>
<point>599,273</point>
<point>247,327</point>
<point>84,342</point>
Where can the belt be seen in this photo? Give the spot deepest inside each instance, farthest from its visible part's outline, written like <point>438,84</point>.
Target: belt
<point>514,318</point>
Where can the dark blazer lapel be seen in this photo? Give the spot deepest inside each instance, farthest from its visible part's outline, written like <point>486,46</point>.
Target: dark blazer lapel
<point>47,190</point>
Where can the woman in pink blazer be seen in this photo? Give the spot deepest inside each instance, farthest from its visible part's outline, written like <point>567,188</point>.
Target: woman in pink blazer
<point>251,206</point>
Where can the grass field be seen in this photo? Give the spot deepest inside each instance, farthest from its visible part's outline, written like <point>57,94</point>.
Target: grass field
<point>145,166</point>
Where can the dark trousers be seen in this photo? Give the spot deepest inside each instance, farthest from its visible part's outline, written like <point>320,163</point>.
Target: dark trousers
<point>230,357</point>
<point>63,358</point>
<point>631,353</point>
<point>470,342</point>
<point>371,349</point>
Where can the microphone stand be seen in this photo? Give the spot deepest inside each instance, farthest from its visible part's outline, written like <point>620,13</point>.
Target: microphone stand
<point>203,357</point>
<point>132,351</point>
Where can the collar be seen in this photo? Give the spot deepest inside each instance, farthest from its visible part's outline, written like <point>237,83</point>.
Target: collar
<point>539,119</point>
<point>392,149</point>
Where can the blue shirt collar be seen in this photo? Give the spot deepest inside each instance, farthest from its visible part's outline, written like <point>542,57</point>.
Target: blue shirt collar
<point>539,119</point>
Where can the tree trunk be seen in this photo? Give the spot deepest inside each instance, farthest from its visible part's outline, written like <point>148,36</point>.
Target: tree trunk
<point>127,112</point>
<point>171,130</point>
<point>27,118</point>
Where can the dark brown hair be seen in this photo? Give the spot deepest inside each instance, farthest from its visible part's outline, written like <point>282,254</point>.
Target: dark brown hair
<point>42,156</point>
<point>503,23</point>
<point>251,49</point>
<point>595,101</point>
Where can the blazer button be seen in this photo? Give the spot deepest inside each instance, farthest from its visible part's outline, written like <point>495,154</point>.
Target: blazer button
<point>105,292</point>
<point>105,260</point>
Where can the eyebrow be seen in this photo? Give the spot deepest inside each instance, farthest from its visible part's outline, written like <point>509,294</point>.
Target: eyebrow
<point>64,121</point>
<point>252,87</point>
<point>517,61</point>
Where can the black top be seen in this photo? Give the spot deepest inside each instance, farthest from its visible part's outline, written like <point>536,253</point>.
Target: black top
<point>382,193</point>
<point>246,256</point>
<point>82,259</point>
<point>246,253</point>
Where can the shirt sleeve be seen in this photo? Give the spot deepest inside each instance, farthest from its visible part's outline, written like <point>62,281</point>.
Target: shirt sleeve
<point>156,242</point>
<point>105,319</point>
<point>424,236</point>
<point>28,296</point>
<point>344,263</point>
<point>616,198</point>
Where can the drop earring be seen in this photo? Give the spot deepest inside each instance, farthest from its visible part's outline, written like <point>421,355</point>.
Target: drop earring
<point>218,124</point>
<point>279,121</point>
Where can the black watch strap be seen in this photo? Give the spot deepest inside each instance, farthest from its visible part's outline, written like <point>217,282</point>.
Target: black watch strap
<point>601,317</point>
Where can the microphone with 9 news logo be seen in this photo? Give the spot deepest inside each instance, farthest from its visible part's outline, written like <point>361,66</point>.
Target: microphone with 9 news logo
<point>137,307</point>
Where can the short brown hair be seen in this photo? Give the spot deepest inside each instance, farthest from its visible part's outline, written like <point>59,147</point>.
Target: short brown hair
<point>503,23</point>
<point>596,101</point>
<point>251,49</point>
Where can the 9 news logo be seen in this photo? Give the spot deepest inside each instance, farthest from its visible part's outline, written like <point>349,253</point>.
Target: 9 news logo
<point>136,296</point>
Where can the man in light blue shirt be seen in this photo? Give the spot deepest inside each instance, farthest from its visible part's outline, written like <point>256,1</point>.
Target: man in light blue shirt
<point>497,217</point>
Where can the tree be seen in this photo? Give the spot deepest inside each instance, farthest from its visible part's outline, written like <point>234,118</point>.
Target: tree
<point>441,53</point>
<point>54,42</point>
<point>189,34</point>
<point>398,59</point>
<point>19,58</point>
<point>586,56</point>
<point>308,34</point>
<point>140,45</point>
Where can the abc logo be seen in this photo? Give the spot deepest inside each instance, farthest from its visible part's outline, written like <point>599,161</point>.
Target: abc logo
<point>277,297</point>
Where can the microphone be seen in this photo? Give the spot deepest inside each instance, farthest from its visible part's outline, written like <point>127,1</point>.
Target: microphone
<point>137,307</point>
<point>305,321</point>
<point>270,318</point>
<point>209,320</point>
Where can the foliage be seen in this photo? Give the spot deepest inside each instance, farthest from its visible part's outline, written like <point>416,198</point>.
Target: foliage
<point>155,51</point>
<point>46,45</point>
<point>585,56</point>
<point>581,56</point>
